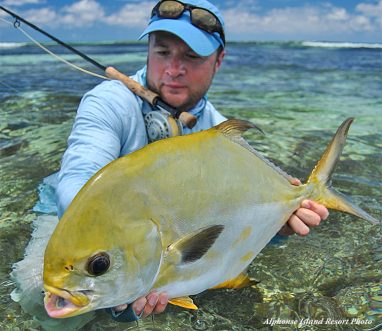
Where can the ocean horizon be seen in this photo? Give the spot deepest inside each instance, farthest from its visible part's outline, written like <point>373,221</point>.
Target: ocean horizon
<point>306,43</point>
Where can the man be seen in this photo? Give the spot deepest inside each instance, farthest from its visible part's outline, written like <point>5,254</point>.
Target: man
<point>186,49</point>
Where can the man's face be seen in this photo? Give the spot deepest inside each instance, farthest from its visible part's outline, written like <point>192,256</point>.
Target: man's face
<point>179,75</point>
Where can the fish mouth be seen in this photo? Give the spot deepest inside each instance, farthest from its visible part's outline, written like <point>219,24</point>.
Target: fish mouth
<point>61,303</point>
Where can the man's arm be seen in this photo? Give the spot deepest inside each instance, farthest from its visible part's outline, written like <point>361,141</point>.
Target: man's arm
<point>106,122</point>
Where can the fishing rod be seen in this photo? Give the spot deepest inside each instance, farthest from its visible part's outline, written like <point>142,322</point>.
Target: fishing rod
<point>112,73</point>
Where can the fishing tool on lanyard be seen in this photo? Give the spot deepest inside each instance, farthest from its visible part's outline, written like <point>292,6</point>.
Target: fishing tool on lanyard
<point>164,122</point>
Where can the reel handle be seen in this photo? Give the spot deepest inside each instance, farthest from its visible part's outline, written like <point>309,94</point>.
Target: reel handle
<point>187,119</point>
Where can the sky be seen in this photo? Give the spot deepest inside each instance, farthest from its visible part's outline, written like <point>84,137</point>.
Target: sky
<point>262,20</point>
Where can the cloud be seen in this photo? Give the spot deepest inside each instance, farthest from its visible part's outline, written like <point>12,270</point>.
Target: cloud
<point>19,3</point>
<point>313,20</point>
<point>43,16</point>
<point>373,11</point>
<point>82,13</point>
<point>133,15</point>
<point>86,13</point>
<point>245,19</point>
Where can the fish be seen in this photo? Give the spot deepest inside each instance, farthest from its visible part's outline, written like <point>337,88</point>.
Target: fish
<point>181,215</point>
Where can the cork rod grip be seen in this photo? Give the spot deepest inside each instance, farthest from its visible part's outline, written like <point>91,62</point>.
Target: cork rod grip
<point>185,118</point>
<point>132,85</point>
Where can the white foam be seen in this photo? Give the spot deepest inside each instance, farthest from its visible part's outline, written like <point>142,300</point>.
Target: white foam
<point>329,44</point>
<point>11,45</point>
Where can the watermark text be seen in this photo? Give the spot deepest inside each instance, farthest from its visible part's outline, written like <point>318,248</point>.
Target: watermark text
<point>323,321</point>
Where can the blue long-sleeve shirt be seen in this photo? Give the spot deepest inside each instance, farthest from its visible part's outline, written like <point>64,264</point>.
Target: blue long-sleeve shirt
<point>108,125</point>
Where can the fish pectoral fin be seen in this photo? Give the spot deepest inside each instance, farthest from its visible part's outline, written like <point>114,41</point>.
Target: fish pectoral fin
<point>184,302</point>
<point>240,281</point>
<point>193,246</point>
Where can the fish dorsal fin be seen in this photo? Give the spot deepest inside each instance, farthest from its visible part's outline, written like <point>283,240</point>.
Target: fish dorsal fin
<point>194,245</point>
<point>324,168</point>
<point>184,302</point>
<point>234,128</point>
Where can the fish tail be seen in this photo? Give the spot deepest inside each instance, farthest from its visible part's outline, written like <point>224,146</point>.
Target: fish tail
<point>320,178</point>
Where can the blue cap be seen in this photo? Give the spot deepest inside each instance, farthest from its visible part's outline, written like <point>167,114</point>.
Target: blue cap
<point>200,41</point>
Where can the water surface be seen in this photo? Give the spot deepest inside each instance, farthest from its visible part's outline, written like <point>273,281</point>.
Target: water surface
<point>298,94</point>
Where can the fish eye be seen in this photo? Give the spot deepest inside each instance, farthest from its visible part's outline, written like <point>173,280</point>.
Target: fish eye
<point>98,264</point>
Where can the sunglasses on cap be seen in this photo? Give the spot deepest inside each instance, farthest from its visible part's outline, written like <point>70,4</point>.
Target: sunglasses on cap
<point>200,17</point>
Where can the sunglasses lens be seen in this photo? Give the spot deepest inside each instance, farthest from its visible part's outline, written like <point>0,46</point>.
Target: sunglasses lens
<point>170,9</point>
<point>204,19</point>
<point>200,17</point>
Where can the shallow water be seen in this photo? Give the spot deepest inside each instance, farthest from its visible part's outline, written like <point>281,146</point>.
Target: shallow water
<point>298,95</point>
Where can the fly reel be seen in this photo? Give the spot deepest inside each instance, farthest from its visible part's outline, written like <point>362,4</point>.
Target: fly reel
<point>161,125</point>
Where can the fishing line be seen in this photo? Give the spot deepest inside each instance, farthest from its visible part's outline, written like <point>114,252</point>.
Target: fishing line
<point>17,26</point>
<point>60,58</point>
<point>153,98</point>
<point>19,19</point>
<point>9,86</point>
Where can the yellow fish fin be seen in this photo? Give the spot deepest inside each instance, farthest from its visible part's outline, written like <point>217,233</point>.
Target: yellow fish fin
<point>235,128</point>
<point>320,177</point>
<point>194,245</point>
<point>184,302</point>
<point>240,281</point>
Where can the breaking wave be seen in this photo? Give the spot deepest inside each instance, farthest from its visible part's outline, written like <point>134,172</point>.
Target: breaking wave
<point>12,45</point>
<point>329,44</point>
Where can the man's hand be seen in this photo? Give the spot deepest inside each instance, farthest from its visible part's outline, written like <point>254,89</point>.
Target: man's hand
<point>310,214</point>
<point>153,303</point>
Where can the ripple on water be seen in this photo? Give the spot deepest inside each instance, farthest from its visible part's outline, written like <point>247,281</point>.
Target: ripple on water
<point>298,97</point>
